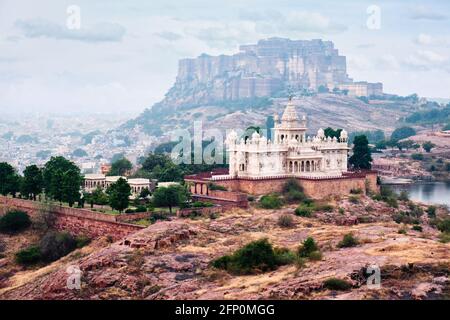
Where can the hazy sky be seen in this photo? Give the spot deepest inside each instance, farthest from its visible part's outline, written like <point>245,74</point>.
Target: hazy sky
<point>124,57</point>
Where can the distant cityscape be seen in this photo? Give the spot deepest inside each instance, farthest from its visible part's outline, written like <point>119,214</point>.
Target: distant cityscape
<point>87,140</point>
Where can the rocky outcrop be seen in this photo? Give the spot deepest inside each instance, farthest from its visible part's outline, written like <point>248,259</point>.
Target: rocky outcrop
<point>172,259</point>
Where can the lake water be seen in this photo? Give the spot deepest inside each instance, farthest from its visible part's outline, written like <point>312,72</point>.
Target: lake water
<point>430,193</point>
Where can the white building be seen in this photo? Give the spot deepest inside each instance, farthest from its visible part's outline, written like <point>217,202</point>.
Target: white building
<point>93,181</point>
<point>291,153</point>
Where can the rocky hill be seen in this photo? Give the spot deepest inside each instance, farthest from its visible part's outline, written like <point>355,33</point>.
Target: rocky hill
<point>236,91</point>
<point>322,110</point>
<point>171,259</point>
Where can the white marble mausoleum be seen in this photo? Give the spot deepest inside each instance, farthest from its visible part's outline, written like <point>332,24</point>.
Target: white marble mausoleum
<point>291,153</point>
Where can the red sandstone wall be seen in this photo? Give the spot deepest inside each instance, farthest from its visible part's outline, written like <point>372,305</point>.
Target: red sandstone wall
<point>313,188</point>
<point>74,220</point>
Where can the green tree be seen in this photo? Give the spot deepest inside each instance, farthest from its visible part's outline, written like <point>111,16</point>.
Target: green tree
<point>428,145</point>
<point>169,197</point>
<point>14,221</point>
<point>9,180</point>
<point>361,158</point>
<point>407,144</point>
<point>70,187</point>
<point>330,132</point>
<point>119,194</point>
<point>144,193</point>
<point>155,159</point>
<point>99,197</point>
<point>120,167</point>
<point>61,178</point>
<point>402,133</point>
<point>32,183</point>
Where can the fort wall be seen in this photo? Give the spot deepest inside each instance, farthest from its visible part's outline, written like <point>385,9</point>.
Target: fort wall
<point>74,220</point>
<point>314,188</point>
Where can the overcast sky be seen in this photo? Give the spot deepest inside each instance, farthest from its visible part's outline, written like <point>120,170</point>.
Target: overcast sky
<point>124,57</point>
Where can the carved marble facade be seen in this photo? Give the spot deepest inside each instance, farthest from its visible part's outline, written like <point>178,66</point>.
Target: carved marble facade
<point>291,153</point>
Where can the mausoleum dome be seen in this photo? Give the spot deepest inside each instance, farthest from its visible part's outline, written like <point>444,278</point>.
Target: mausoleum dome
<point>289,114</point>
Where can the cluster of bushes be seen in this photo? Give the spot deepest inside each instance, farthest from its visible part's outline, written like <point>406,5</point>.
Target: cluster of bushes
<point>202,204</point>
<point>139,209</point>
<point>286,221</point>
<point>308,207</point>
<point>260,256</point>
<point>213,186</point>
<point>52,247</point>
<point>348,241</point>
<point>417,156</point>
<point>337,284</point>
<point>309,249</point>
<point>257,256</point>
<point>271,201</point>
<point>387,195</point>
<point>409,217</point>
<point>14,221</point>
<point>293,191</point>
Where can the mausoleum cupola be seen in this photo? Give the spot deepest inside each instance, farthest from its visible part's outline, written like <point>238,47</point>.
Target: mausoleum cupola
<point>321,134</point>
<point>289,119</point>
<point>344,136</point>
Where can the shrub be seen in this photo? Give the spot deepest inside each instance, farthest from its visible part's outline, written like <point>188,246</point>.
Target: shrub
<point>55,245</point>
<point>28,256</point>
<point>292,185</point>
<point>271,201</point>
<point>341,210</point>
<point>348,241</point>
<point>444,237</point>
<point>444,225</point>
<point>356,191</point>
<point>141,209</point>
<point>251,198</point>
<point>129,210</point>
<point>315,256</point>
<point>299,262</point>
<point>404,196</point>
<point>337,284</point>
<point>392,202</point>
<point>14,221</point>
<point>431,211</point>
<point>417,156</point>
<point>294,196</point>
<point>284,256</point>
<point>417,228</point>
<point>155,216</point>
<point>82,241</point>
<point>402,230</point>
<point>324,207</point>
<point>286,221</point>
<point>304,211</point>
<point>293,191</point>
<point>201,204</point>
<point>353,199</point>
<point>213,186</point>
<point>256,256</point>
<point>308,246</point>
<point>403,217</point>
